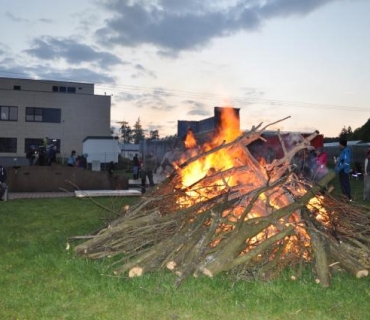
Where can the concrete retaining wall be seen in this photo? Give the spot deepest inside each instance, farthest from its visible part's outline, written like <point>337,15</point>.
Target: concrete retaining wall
<point>57,178</point>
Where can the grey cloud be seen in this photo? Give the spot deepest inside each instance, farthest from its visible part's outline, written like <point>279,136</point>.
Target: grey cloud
<point>155,99</point>
<point>275,8</point>
<point>44,20</point>
<point>47,72</point>
<point>252,92</point>
<point>134,25</point>
<point>77,74</point>
<point>15,18</point>
<point>197,108</point>
<point>74,52</point>
<point>142,71</point>
<point>177,25</point>
<point>128,97</point>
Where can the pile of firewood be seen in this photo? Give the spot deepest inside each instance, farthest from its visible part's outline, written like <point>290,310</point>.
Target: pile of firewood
<point>248,218</point>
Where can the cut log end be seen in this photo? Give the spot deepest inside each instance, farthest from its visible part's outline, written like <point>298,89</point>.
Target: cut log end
<point>135,272</point>
<point>171,265</point>
<point>362,273</point>
<point>207,272</point>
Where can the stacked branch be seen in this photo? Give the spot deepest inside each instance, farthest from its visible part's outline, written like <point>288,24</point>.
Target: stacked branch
<point>247,218</point>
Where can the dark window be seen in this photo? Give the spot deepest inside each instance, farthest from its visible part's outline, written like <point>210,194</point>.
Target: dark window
<point>34,114</point>
<point>43,115</point>
<point>32,142</point>
<point>8,113</point>
<point>64,89</point>
<point>52,115</point>
<point>17,87</point>
<point>8,145</point>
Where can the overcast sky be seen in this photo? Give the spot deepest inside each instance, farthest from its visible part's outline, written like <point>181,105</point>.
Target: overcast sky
<point>169,60</point>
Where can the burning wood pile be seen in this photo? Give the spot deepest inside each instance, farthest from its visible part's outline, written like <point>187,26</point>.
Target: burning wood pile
<point>224,210</point>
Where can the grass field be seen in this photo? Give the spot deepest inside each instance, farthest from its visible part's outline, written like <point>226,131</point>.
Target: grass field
<point>40,279</point>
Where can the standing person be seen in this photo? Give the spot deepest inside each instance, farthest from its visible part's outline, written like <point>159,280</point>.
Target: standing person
<point>51,154</point>
<point>367,162</point>
<point>31,155</point>
<point>321,163</point>
<point>147,170</point>
<point>71,162</point>
<point>367,175</point>
<point>343,168</point>
<point>136,166</point>
<point>3,186</point>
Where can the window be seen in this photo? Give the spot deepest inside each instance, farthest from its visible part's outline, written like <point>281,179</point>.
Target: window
<point>43,115</point>
<point>34,114</point>
<point>8,145</point>
<point>17,87</point>
<point>64,89</point>
<point>32,142</point>
<point>8,113</point>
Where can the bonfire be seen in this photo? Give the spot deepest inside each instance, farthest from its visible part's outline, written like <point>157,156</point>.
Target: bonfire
<point>223,209</point>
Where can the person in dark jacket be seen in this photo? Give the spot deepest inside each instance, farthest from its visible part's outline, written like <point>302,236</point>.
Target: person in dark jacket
<point>136,166</point>
<point>343,168</point>
<point>149,166</point>
<point>3,185</point>
<point>51,155</point>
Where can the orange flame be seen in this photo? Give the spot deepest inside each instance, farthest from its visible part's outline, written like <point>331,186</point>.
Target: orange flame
<point>208,165</point>
<point>225,133</point>
<point>190,141</point>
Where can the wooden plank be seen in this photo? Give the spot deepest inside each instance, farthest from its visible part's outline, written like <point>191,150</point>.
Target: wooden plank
<point>107,193</point>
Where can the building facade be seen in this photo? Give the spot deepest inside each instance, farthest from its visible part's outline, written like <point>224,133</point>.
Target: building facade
<point>208,125</point>
<point>63,112</point>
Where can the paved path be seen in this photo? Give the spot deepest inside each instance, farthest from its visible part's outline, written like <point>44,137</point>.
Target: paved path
<point>37,195</point>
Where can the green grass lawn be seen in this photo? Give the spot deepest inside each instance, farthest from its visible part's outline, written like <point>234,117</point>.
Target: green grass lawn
<point>40,279</point>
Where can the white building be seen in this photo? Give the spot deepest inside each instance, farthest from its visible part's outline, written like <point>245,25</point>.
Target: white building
<point>128,150</point>
<point>101,149</point>
<point>66,112</point>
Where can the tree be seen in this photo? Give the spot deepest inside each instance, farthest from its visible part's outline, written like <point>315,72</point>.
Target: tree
<point>138,132</point>
<point>346,133</point>
<point>154,135</point>
<point>362,133</point>
<point>126,133</point>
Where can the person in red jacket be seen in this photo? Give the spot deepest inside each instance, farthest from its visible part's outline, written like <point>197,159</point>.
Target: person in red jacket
<point>321,163</point>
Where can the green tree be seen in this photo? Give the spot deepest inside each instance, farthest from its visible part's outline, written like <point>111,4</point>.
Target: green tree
<point>346,133</point>
<point>362,133</point>
<point>126,133</point>
<point>153,135</point>
<point>138,132</point>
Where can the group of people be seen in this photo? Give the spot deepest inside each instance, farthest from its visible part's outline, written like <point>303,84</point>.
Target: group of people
<point>144,169</point>
<point>77,161</point>
<point>312,163</point>
<point>313,166</point>
<point>342,166</point>
<point>42,155</point>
